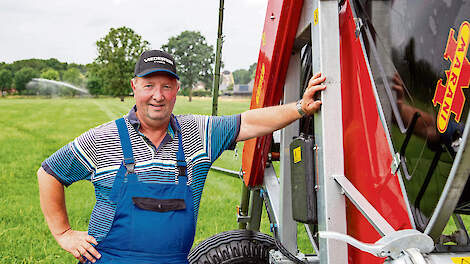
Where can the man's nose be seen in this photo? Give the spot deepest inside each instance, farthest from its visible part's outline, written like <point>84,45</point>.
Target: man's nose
<point>157,95</point>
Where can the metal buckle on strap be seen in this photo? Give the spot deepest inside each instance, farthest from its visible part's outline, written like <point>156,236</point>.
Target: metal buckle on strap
<point>129,167</point>
<point>130,164</point>
<point>181,170</point>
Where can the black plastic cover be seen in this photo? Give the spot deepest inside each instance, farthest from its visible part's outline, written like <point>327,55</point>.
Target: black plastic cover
<point>304,205</point>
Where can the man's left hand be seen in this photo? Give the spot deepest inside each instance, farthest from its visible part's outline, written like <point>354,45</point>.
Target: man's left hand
<point>309,104</point>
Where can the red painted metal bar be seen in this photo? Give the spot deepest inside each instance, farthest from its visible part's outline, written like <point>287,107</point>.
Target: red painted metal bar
<point>282,18</point>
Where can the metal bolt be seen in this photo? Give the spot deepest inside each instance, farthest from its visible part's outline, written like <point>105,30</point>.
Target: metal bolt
<point>272,16</point>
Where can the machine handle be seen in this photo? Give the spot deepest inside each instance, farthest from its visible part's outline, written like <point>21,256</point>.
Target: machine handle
<point>392,245</point>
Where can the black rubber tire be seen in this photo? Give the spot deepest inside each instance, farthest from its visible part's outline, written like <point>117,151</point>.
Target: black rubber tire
<point>233,247</point>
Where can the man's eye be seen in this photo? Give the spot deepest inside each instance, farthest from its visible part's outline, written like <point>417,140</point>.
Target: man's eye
<point>148,86</point>
<point>167,87</point>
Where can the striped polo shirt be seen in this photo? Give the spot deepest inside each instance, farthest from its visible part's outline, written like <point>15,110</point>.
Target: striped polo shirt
<point>96,156</point>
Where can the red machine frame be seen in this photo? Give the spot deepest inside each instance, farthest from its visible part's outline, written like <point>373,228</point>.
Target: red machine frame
<point>366,147</point>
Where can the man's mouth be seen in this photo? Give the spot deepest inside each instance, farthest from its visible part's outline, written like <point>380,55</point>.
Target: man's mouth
<point>157,106</point>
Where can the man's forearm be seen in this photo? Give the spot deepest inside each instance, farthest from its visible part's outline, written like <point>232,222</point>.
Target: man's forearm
<point>77,243</point>
<point>52,198</point>
<point>263,121</point>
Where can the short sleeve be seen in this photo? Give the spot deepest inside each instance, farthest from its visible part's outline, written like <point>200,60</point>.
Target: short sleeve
<point>75,161</point>
<point>222,134</point>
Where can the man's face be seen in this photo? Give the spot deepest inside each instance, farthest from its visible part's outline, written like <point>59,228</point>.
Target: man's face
<point>155,97</point>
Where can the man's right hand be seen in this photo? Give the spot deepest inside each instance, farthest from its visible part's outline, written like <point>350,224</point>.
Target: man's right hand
<point>79,244</point>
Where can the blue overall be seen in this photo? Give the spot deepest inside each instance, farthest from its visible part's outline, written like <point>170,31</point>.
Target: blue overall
<point>154,223</point>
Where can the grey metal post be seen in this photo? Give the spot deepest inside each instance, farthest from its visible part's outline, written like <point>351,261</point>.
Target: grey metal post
<point>255,210</point>
<point>329,129</point>
<point>287,226</point>
<point>215,95</point>
<point>244,204</point>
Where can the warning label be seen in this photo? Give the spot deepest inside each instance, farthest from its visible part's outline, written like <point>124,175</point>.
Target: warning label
<point>297,154</point>
<point>461,260</point>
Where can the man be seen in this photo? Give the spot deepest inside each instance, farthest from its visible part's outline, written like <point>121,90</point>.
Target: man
<point>149,168</point>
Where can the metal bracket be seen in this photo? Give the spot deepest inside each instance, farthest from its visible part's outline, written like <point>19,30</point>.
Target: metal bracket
<point>361,203</point>
<point>392,245</point>
<point>276,257</point>
<point>242,218</point>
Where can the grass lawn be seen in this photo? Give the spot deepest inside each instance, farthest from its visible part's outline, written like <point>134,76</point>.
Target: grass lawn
<point>32,129</point>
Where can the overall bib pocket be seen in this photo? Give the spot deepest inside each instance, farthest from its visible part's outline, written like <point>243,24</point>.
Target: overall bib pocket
<point>159,205</point>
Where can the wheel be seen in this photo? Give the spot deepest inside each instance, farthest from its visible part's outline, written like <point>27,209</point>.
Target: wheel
<point>233,247</point>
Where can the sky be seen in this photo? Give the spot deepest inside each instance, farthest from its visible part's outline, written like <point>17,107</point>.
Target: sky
<point>68,30</point>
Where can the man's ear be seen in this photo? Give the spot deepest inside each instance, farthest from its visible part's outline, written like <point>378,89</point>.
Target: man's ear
<point>132,84</point>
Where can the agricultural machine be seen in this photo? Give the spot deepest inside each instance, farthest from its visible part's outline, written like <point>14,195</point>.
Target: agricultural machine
<point>378,172</point>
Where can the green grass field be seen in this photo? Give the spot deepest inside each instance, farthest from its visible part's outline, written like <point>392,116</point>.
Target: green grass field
<point>32,129</point>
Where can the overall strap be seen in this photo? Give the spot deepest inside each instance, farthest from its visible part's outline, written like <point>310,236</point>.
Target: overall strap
<point>180,158</point>
<point>128,162</point>
<point>125,145</point>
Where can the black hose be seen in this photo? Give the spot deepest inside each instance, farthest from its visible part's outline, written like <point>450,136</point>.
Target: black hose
<point>278,243</point>
<point>286,252</point>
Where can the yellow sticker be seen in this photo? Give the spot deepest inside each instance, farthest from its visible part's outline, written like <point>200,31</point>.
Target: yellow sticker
<point>461,260</point>
<point>263,39</point>
<point>315,16</point>
<point>297,154</point>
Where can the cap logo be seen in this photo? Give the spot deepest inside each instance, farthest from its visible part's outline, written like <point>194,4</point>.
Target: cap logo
<point>161,60</point>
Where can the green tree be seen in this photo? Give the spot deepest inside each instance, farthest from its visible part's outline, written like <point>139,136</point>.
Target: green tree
<point>94,85</point>
<point>73,76</point>
<point>6,78</point>
<point>194,58</point>
<point>50,74</point>
<point>241,76</point>
<point>118,52</point>
<point>38,65</point>
<point>22,77</point>
<point>94,82</point>
<point>81,67</point>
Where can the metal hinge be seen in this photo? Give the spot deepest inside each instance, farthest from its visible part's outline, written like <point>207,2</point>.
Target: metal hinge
<point>395,163</point>
<point>359,26</point>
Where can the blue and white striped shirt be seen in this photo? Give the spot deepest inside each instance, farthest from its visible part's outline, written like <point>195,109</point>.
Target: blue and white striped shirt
<point>96,156</point>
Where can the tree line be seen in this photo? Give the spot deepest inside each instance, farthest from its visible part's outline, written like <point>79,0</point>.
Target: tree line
<point>110,72</point>
<point>14,76</point>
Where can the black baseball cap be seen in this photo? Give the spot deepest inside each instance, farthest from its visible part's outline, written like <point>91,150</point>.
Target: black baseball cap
<point>155,61</point>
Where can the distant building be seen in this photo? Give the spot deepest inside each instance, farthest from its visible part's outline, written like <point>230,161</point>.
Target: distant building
<point>243,89</point>
<point>226,80</point>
